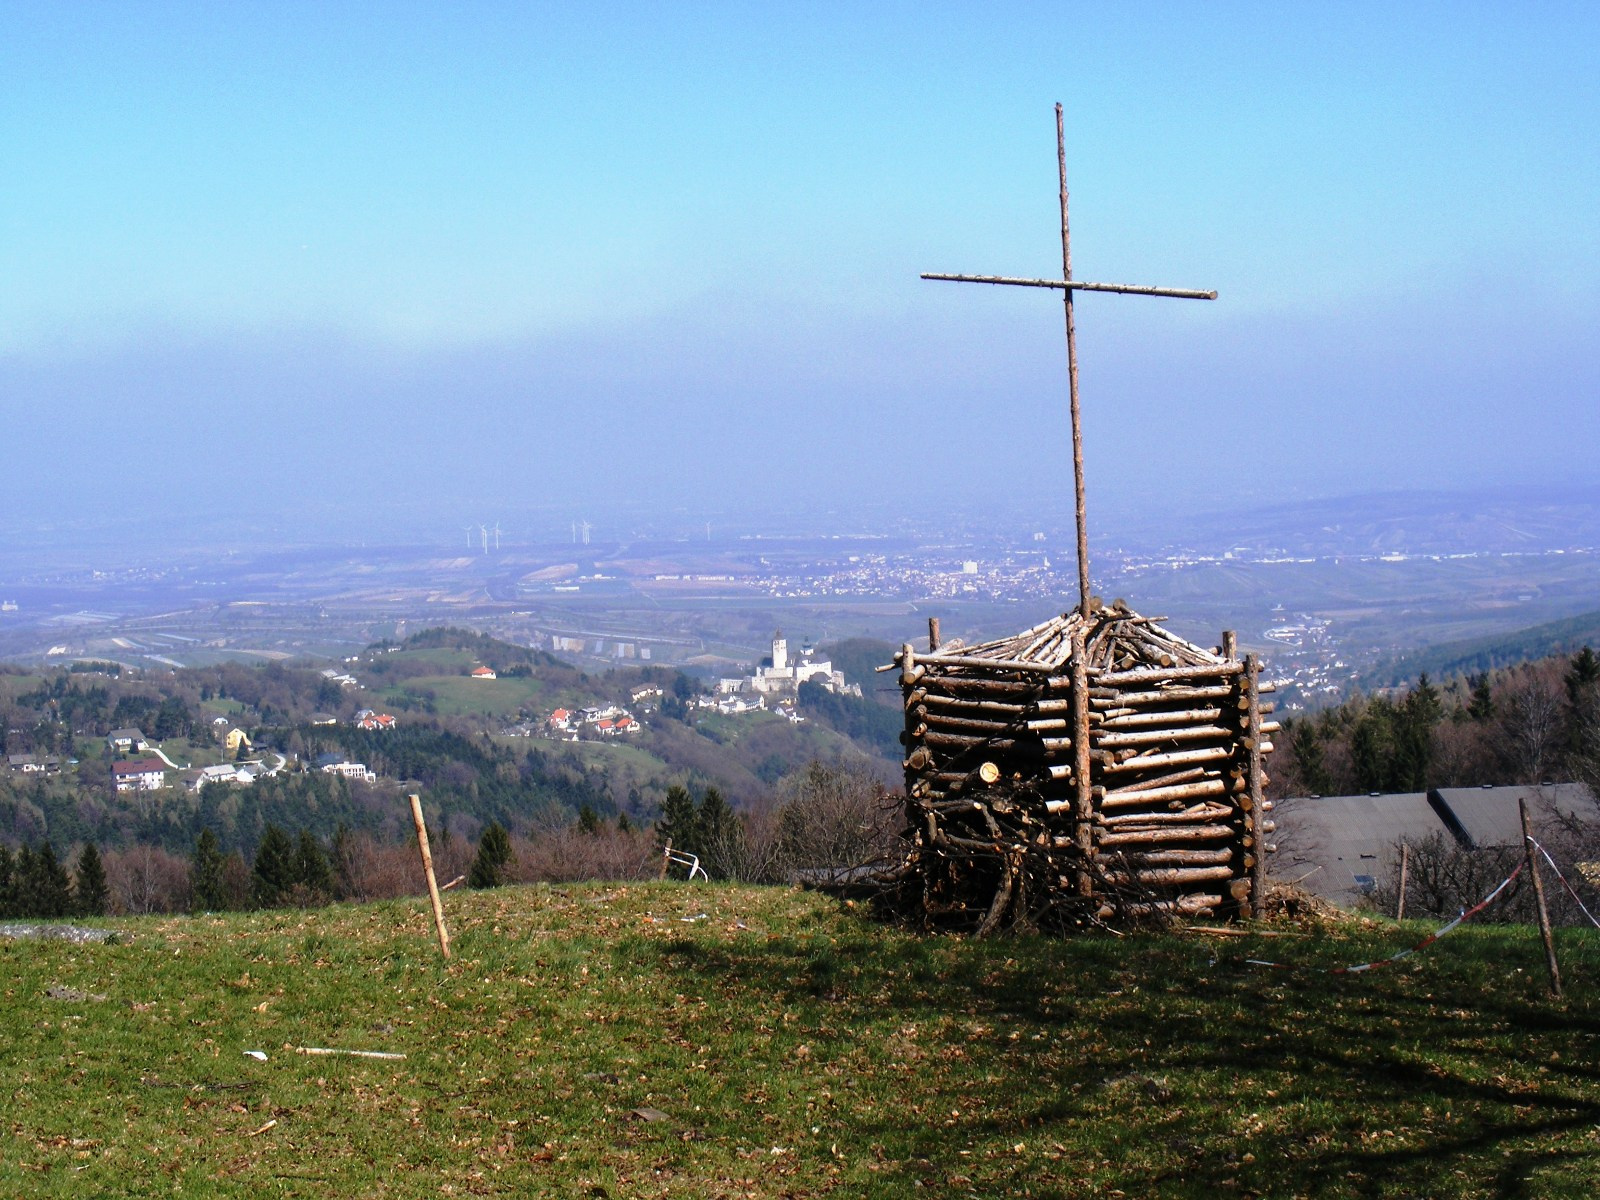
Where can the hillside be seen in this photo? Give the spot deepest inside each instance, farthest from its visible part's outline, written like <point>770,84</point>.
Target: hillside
<point>680,1040</point>
<point>478,749</point>
<point>1476,655</point>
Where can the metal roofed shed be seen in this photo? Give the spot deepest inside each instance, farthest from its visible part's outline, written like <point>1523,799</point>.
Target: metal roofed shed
<point>1329,843</point>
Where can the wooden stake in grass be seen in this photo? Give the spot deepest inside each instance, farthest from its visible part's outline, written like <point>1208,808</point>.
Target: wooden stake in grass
<point>427,869</point>
<point>1405,869</point>
<point>1538,896</point>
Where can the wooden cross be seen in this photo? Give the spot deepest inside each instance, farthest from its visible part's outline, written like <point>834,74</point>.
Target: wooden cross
<point>1067,285</point>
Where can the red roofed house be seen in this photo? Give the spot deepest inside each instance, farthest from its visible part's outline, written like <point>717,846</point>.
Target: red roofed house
<point>139,775</point>
<point>482,673</point>
<point>378,721</point>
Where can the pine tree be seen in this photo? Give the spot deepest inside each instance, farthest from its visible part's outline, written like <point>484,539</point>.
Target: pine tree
<point>1309,758</point>
<point>679,824</point>
<point>273,874</point>
<point>623,824</point>
<point>494,855</point>
<point>49,890</point>
<point>205,873</point>
<point>1481,706</point>
<point>721,837</point>
<point>90,894</point>
<point>8,883</point>
<point>588,820</point>
<point>311,870</point>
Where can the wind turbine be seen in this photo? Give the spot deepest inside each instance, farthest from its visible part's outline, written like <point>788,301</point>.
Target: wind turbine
<point>497,535</point>
<point>469,537</point>
<point>483,533</point>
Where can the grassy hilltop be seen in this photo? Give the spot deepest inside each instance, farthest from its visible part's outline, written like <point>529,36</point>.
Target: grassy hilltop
<point>610,1041</point>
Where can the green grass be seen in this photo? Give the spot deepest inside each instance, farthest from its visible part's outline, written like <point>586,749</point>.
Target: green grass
<point>795,1049</point>
<point>459,695</point>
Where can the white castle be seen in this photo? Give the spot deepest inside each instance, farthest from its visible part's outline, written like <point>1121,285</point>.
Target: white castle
<point>784,676</point>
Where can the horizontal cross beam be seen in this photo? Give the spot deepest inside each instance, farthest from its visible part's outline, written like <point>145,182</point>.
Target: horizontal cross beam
<point>1074,285</point>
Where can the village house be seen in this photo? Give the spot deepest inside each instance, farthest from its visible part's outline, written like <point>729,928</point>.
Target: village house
<point>483,673</point>
<point>235,738</point>
<point>376,722</point>
<point>322,718</point>
<point>644,692</point>
<point>224,773</point>
<point>139,775</point>
<point>26,763</point>
<point>338,764</point>
<point>126,741</point>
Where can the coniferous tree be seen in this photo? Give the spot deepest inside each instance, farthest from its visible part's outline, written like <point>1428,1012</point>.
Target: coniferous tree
<point>721,837</point>
<point>1481,706</point>
<point>679,823</point>
<point>205,873</point>
<point>588,820</point>
<point>49,890</point>
<point>272,876</point>
<point>311,870</point>
<point>623,824</point>
<point>8,882</point>
<point>90,894</point>
<point>494,855</point>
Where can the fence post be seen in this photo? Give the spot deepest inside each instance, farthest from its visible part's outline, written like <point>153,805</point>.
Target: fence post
<point>1538,896</point>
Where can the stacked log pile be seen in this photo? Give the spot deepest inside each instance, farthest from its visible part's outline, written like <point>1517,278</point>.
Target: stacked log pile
<point>1086,770</point>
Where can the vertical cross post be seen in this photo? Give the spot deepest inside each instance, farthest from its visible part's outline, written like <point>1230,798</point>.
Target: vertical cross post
<point>1080,509</point>
<point>1067,285</point>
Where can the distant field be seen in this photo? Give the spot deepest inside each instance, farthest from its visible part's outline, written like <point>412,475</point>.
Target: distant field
<point>457,695</point>
<point>670,1040</point>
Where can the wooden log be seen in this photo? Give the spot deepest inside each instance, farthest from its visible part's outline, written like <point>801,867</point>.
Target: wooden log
<point>1114,698</point>
<point>1172,719</point>
<point>943,722</point>
<point>1162,837</point>
<point>1046,725</point>
<point>957,685</point>
<point>933,634</point>
<point>1208,671</point>
<point>1169,876</point>
<point>1195,813</point>
<point>993,708</point>
<point>1174,759</point>
<point>1195,904</point>
<point>1181,858</point>
<point>1163,795</point>
<point>1153,737</point>
<point>1163,780</point>
<point>944,661</point>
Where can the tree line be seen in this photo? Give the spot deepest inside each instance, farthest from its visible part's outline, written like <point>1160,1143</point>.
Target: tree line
<point>1532,723</point>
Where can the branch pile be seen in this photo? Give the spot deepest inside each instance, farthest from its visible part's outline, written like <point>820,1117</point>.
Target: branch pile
<point>1086,770</point>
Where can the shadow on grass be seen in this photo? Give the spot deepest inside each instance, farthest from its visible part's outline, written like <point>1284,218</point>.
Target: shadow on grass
<point>1154,1068</point>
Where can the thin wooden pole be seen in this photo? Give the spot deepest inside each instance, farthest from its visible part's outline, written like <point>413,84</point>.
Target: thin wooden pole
<point>1257,793</point>
<point>427,869</point>
<point>1405,870</point>
<point>1538,896</point>
<point>933,634</point>
<point>1072,376</point>
<point>1083,801</point>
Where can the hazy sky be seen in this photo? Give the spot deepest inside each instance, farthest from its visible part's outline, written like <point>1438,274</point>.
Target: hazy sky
<point>321,257</point>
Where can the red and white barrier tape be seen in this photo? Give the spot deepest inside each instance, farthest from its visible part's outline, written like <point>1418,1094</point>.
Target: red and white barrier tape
<point>1576,898</point>
<point>1394,958</point>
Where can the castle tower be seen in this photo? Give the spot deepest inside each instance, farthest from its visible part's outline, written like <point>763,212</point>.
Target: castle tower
<point>780,651</point>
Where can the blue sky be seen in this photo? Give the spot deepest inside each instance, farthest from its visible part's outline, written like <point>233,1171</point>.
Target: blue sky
<point>469,254</point>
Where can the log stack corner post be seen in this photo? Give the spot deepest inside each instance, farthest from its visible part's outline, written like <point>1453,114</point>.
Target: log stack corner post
<point>1091,769</point>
